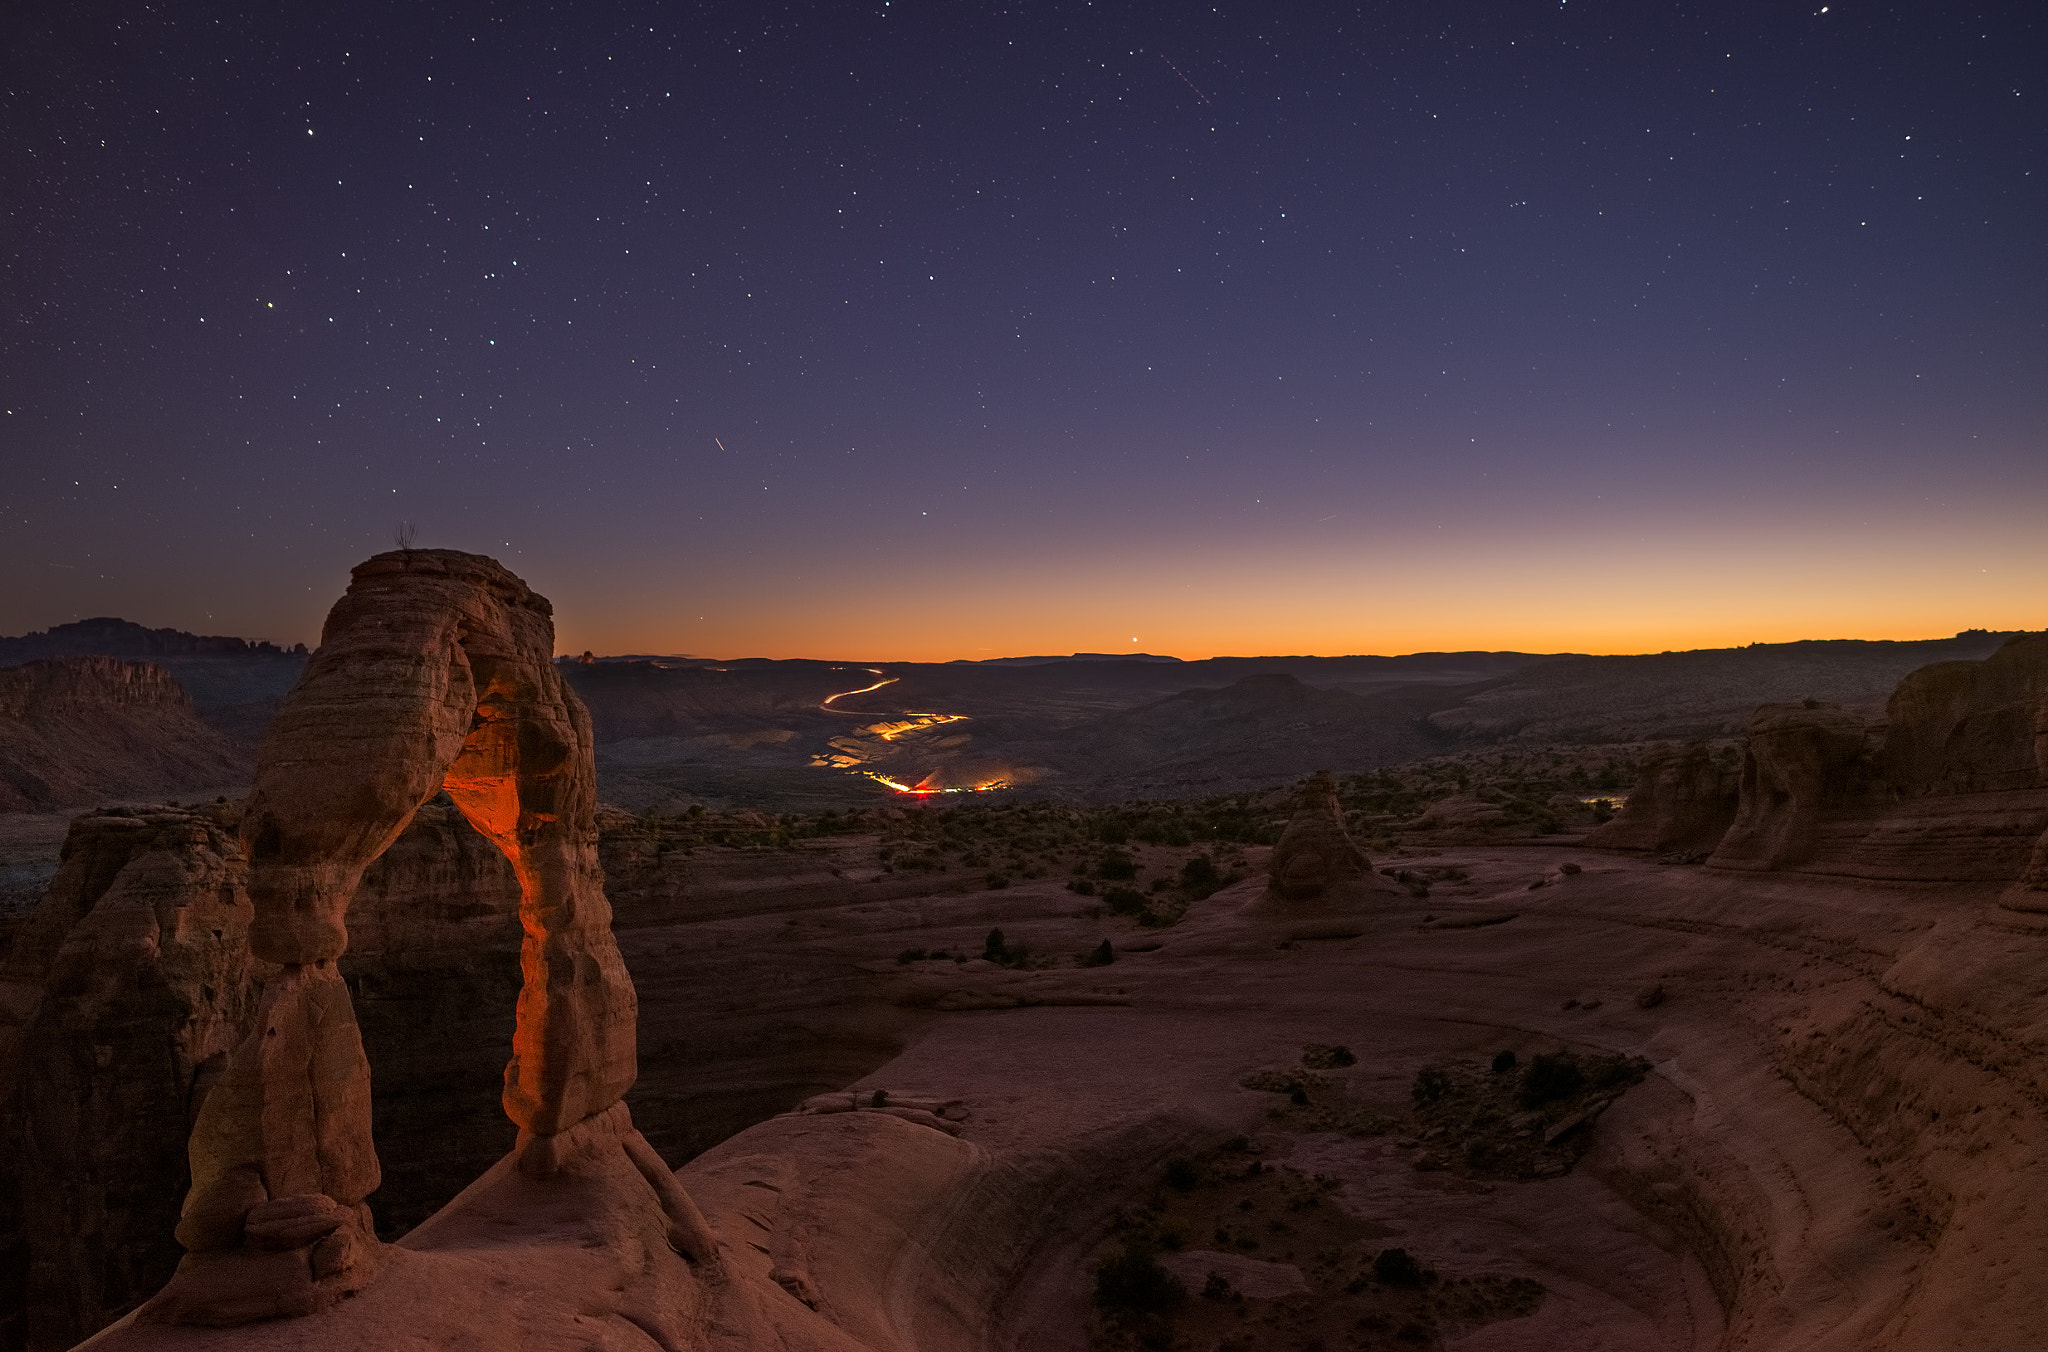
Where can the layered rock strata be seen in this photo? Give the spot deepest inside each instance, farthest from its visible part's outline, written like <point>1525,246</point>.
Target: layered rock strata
<point>1951,785</point>
<point>132,982</point>
<point>118,1005</point>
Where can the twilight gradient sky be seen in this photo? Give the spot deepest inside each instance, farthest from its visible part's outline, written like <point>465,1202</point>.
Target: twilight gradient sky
<point>927,330</point>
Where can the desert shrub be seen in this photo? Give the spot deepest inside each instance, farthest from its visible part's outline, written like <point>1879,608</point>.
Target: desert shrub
<point>1199,876</point>
<point>1100,956</point>
<point>994,949</point>
<point>1605,1072</point>
<point>1131,1281</point>
<point>1182,1175</point>
<point>1282,1081</point>
<point>1430,1085</point>
<point>1217,1287</point>
<point>1081,887</point>
<point>910,955</point>
<point>1116,866</point>
<point>998,881</point>
<point>1124,901</point>
<point>1503,1062</point>
<point>1327,1056</point>
<point>1551,1076</point>
<point>1397,1267</point>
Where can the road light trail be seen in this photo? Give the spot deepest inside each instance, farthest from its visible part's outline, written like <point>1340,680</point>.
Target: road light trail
<point>826,703</point>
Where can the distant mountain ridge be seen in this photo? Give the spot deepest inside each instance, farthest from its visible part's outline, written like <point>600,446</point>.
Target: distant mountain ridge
<point>235,684</point>
<point>105,636</point>
<point>764,732</point>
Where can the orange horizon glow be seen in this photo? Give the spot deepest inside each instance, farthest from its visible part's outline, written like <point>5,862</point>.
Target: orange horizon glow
<point>937,656</point>
<point>1538,586</point>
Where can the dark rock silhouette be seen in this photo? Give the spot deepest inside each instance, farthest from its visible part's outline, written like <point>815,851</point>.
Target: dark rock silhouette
<point>1950,786</point>
<point>118,1003</point>
<point>105,636</point>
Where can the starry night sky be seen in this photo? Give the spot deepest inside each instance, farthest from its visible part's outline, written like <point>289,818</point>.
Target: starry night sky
<point>919,330</point>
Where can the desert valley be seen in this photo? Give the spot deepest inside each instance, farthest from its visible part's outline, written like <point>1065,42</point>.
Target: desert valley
<point>896,677</point>
<point>1477,1001</point>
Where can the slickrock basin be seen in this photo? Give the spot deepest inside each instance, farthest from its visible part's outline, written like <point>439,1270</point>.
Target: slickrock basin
<point>1839,1143</point>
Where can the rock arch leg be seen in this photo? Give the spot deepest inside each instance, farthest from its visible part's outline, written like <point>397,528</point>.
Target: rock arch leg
<point>522,780</point>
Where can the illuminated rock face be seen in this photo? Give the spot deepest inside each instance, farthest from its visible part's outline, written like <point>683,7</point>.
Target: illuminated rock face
<point>1316,855</point>
<point>434,671</point>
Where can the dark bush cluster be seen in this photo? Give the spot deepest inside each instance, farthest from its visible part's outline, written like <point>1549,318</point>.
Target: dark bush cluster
<point>1431,1084</point>
<point>1397,1267</point>
<point>1131,1281</point>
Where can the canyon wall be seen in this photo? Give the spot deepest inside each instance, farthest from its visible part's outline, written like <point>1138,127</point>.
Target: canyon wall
<point>78,730</point>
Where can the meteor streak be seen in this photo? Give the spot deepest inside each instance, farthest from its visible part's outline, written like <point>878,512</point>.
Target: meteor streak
<point>1184,79</point>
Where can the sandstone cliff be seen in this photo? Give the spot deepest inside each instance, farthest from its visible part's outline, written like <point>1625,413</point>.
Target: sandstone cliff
<point>118,1003</point>
<point>79,730</point>
<point>1683,802</point>
<point>1951,785</point>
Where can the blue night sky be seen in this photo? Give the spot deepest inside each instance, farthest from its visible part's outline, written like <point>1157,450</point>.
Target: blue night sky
<point>913,330</point>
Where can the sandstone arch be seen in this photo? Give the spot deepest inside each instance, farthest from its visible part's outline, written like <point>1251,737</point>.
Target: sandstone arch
<point>435,671</point>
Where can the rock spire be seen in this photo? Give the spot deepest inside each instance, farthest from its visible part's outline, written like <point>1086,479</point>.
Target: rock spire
<point>1316,858</point>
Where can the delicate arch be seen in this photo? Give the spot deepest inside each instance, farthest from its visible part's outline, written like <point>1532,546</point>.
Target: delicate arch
<point>435,671</point>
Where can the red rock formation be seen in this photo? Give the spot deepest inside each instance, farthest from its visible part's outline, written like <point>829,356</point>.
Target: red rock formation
<point>1684,800</point>
<point>77,730</point>
<point>133,980</point>
<point>120,1000</point>
<point>1802,762</point>
<point>1951,787</point>
<point>434,671</point>
<point>1316,860</point>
